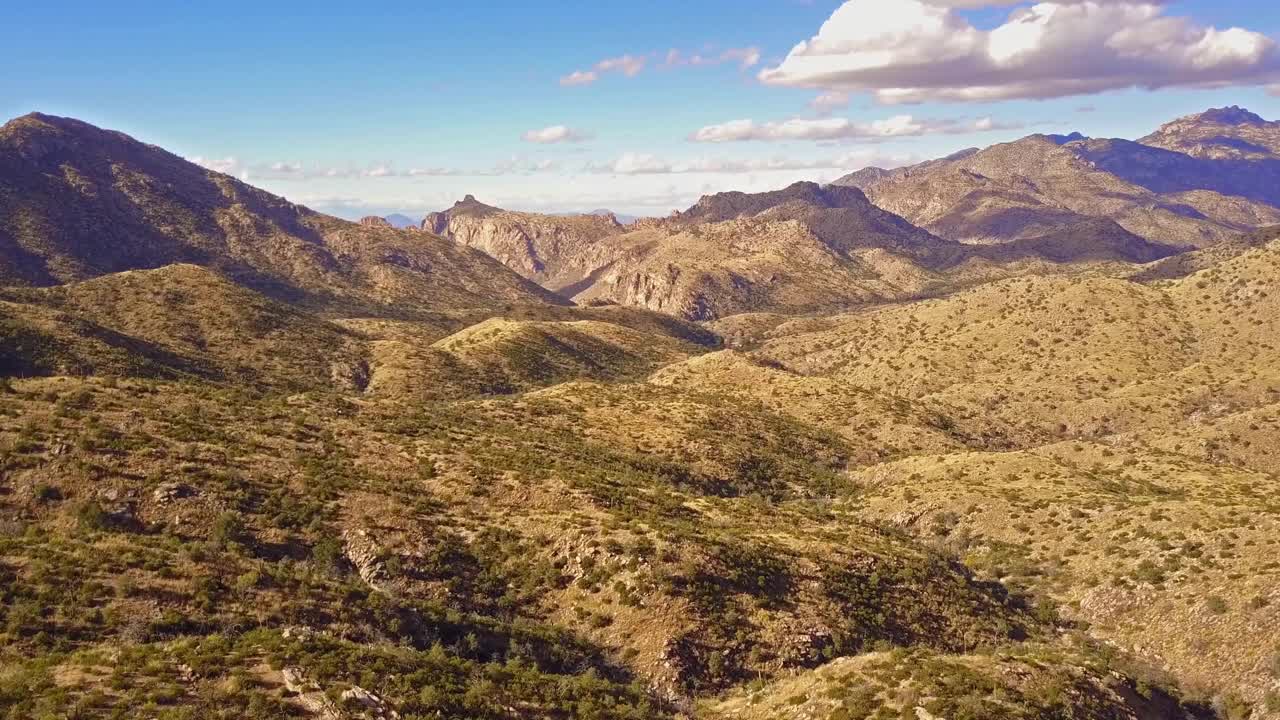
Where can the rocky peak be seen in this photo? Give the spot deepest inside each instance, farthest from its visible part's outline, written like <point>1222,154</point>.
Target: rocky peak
<point>1233,115</point>
<point>374,221</point>
<point>1230,133</point>
<point>468,206</point>
<point>732,205</point>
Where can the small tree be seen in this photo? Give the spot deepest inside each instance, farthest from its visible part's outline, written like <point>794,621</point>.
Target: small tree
<point>327,555</point>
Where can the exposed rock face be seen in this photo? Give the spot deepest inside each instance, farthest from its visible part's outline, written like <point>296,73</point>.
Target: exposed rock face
<point>802,247</point>
<point>1195,182</point>
<point>362,551</point>
<point>555,251</point>
<point>309,695</point>
<point>374,221</point>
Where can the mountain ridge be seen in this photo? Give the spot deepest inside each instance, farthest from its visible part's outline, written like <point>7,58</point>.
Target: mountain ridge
<point>77,201</point>
<point>1151,186</point>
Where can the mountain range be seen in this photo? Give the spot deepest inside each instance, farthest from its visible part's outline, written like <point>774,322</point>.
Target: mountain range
<point>1193,183</point>
<point>991,436</point>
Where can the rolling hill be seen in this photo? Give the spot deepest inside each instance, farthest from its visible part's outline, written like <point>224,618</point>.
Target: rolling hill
<point>792,455</point>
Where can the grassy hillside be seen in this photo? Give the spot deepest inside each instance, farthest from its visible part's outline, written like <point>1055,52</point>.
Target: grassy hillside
<point>366,473</point>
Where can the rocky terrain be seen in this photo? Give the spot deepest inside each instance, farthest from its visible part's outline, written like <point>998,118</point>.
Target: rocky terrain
<point>789,456</point>
<point>1195,182</point>
<point>801,248</point>
<point>554,250</point>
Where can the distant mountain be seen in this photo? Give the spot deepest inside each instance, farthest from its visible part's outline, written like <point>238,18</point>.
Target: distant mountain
<point>401,222</point>
<point>799,248</point>
<point>1197,181</point>
<point>1230,133</point>
<point>77,202</point>
<point>622,219</point>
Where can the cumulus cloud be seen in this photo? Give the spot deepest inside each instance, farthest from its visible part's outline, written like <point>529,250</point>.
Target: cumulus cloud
<point>555,134</point>
<point>898,126</point>
<point>911,51</point>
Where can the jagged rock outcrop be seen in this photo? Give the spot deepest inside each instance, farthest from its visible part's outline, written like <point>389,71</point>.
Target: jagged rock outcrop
<point>374,221</point>
<point>553,250</point>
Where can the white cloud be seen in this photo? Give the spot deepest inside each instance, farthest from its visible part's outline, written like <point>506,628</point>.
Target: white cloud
<point>743,57</point>
<point>910,51</point>
<point>432,172</point>
<point>520,165</point>
<point>898,126</point>
<point>647,164</point>
<point>629,65</point>
<point>632,65</point>
<point>226,166</point>
<point>637,164</point>
<point>579,77</point>
<point>555,134</point>
<point>829,102</point>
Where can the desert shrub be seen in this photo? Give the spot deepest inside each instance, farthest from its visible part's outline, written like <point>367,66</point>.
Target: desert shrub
<point>90,516</point>
<point>228,530</point>
<point>45,493</point>
<point>327,555</point>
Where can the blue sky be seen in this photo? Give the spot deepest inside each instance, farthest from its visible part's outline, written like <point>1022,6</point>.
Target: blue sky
<point>334,104</point>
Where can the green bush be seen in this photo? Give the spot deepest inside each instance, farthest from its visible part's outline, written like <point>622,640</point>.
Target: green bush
<point>327,555</point>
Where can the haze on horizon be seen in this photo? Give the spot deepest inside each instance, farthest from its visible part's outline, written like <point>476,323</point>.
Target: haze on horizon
<point>638,109</point>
